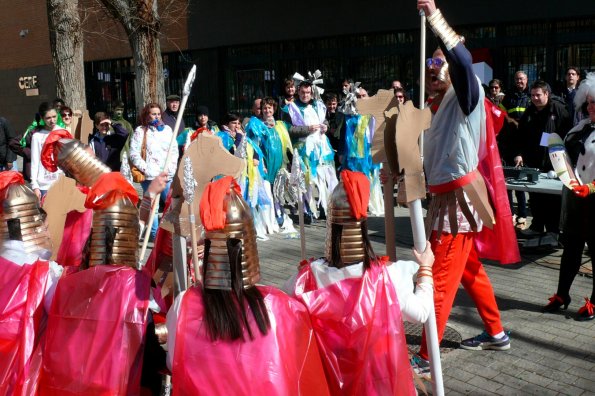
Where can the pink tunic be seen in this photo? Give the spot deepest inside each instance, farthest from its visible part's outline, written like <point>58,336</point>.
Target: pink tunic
<point>96,333</point>
<point>22,289</point>
<point>360,333</point>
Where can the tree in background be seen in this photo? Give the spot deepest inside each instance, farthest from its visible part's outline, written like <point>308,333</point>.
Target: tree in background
<point>66,41</point>
<point>140,19</point>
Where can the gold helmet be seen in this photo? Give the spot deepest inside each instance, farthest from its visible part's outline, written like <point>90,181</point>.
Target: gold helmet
<point>348,209</point>
<point>73,157</point>
<point>76,161</point>
<point>116,229</point>
<point>20,202</point>
<point>225,217</point>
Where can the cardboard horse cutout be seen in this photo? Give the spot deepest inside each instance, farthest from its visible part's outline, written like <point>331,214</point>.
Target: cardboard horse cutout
<point>62,198</point>
<point>209,159</point>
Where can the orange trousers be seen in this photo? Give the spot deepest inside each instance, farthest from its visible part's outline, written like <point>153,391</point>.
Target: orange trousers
<point>456,262</point>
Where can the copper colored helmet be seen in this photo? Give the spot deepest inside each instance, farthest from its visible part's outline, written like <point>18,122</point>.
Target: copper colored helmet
<point>20,202</point>
<point>352,248</point>
<point>78,163</point>
<point>238,225</point>
<point>123,216</point>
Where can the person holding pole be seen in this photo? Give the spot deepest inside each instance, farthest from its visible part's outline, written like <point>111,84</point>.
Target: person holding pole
<point>459,207</point>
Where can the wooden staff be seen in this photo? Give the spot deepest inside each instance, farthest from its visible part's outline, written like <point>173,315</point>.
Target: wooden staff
<point>172,146</point>
<point>419,236</point>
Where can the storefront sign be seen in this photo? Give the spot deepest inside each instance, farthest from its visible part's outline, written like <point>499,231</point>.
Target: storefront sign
<point>28,82</point>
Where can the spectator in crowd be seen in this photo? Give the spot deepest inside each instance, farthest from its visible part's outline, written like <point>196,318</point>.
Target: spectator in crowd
<point>41,178</point>
<point>256,112</point>
<point>118,116</point>
<point>67,115</point>
<point>515,103</point>
<point>149,146</point>
<point>579,205</point>
<point>568,93</point>
<point>58,104</point>
<point>21,144</point>
<point>401,95</point>
<point>287,97</point>
<point>396,84</point>
<point>7,156</point>
<point>362,93</point>
<point>107,140</point>
<point>170,115</point>
<point>544,114</point>
<point>336,122</point>
<point>495,94</point>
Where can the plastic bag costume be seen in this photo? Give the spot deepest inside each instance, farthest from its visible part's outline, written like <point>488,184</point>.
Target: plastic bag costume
<point>357,321</point>
<point>283,361</point>
<point>22,290</point>
<point>112,300</point>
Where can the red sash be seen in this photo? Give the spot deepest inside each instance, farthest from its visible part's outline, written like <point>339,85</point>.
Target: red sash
<point>22,289</point>
<point>500,243</point>
<point>360,333</point>
<point>96,333</point>
<point>285,361</point>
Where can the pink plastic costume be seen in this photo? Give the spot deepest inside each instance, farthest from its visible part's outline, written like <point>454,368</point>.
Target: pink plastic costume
<point>360,333</point>
<point>22,289</point>
<point>286,361</point>
<point>102,313</point>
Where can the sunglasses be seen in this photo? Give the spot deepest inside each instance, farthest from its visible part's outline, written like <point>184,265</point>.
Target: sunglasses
<point>436,62</point>
<point>66,115</point>
<point>400,97</point>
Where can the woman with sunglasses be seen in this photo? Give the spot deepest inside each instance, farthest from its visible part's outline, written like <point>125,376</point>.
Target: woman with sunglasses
<point>495,94</point>
<point>66,114</point>
<point>149,146</point>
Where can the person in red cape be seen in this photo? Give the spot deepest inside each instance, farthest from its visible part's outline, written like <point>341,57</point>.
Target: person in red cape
<point>108,296</point>
<point>27,284</point>
<point>357,302</point>
<point>459,209</point>
<point>229,336</point>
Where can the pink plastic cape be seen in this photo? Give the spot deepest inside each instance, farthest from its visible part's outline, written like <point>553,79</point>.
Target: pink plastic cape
<point>500,243</point>
<point>360,333</point>
<point>77,229</point>
<point>22,289</point>
<point>96,333</point>
<point>286,361</point>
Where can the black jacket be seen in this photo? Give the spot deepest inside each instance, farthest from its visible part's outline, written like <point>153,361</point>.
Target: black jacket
<point>108,149</point>
<point>552,118</point>
<point>6,134</point>
<point>169,119</point>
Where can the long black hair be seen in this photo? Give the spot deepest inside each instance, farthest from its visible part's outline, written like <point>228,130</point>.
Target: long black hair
<point>336,232</point>
<point>225,310</point>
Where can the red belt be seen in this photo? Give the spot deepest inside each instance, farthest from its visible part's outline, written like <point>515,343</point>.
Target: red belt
<point>453,185</point>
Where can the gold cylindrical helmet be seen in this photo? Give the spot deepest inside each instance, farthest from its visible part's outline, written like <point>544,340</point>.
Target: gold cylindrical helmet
<point>352,248</point>
<point>123,217</point>
<point>77,162</point>
<point>20,202</point>
<point>238,225</point>
<point>115,232</point>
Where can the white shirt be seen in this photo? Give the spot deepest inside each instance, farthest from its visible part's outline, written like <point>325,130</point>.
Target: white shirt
<point>15,251</point>
<point>41,178</point>
<point>415,305</point>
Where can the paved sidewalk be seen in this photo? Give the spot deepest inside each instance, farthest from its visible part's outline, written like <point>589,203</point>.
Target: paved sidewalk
<point>551,354</point>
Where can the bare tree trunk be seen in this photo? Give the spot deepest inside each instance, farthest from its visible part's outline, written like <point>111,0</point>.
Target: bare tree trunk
<point>66,40</point>
<point>140,19</point>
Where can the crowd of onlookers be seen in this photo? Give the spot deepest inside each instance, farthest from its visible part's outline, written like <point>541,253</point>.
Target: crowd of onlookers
<point>532,109</point>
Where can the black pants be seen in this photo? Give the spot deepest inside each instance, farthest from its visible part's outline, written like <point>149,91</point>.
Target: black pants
<point>545,209</point>
<point>579,228</point>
